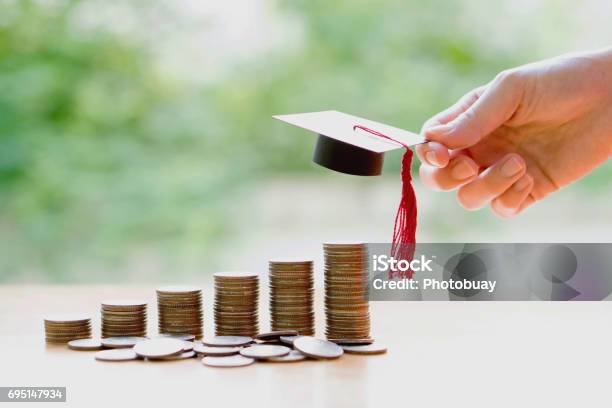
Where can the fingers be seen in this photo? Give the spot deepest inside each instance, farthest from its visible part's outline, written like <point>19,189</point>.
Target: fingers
<point>433,153</point>
<point>455,110</point>
<point>492,182</point>
<point>460,170</point>
<point>490,110</point>
<point>515,199</point>
<point>436,154</point>
<point>505,185</point>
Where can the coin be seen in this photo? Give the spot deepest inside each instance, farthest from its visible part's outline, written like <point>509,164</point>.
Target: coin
<point>293,356</point>
<point>178,289</point>
<point>367,349</point>
<point>187,345</point>
<point>123,304</point>
<point>122,342</point>
<point>215,351</point>
<point>352,342</point>
<point>158,348</point>
<point>264,351</point>
<point>317,348</point>
<point>236,275</point>
<point>288,339</point>
<point>85,344</point>
<point>230,361</point>
<point>275,335</point>
<point>183,356</point>
<point>184,337</point>
<point>67,318</point>
<point>227,341</point>
<point>116,355</point>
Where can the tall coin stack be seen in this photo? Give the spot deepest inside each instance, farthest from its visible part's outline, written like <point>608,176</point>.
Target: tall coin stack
<point>180,310</point>
<point>291,296</point>
<point>63,328</point>
<point>346,291</point>
<point>124,318</point>
<point>236,304</point>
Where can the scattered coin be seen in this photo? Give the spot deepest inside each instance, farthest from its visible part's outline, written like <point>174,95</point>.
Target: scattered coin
<point>85,344</point>
<point>288,339</point>
<point>230,361</point>
<point>366,349</point>
<point>275,335</point>
<point>264,351</point>
<point>293,356</point>
<point>203,350</point>
<point>184,337</point>
<point>158,348</point>
<point>116,355</point>
<point>227,341</point>
<point>317,348</point>
<point>352,342</point>
<point>187,345</point>
<point>122,342</point>
<point>183,356</point>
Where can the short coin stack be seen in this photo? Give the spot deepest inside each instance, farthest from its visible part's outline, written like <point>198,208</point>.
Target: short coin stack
<point>291,296</point>
<point>124,318</point>
<point>180,310</point>
<point>236,304</point>
<point>63,328</point>
<point>346,292</point>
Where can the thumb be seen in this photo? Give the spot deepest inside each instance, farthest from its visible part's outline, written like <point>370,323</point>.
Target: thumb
<point>493,108</point>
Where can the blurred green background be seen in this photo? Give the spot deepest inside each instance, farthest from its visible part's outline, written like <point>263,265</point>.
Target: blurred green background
<point>136,139</point>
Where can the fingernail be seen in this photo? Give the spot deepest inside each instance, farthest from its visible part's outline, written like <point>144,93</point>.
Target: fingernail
<point>432,158</point>
<point>462,170</point>
<point>511,167</point>
<point>522,184</point>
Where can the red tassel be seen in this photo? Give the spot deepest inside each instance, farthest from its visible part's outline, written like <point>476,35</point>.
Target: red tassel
<point>404,230</point>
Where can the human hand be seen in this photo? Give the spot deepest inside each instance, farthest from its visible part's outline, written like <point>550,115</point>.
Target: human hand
<point>526,134</point>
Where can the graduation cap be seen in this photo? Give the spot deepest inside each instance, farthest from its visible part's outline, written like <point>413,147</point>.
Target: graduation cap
<point>350,144</point>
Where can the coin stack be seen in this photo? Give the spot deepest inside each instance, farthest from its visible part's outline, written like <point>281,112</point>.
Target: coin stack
<point>124,318</point>
<point>346,291</point>
<point>236,304</point>
<point>63,328</point>
<point>291,296</point>
<point>180,310</point>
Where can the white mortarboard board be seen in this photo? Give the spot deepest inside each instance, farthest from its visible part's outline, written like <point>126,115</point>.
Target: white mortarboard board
<point>344,148</point>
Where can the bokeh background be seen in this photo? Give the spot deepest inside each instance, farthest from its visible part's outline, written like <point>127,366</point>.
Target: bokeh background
<point>136,139</point>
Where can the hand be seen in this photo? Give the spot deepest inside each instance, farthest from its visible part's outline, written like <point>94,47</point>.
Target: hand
<point>526,134</point>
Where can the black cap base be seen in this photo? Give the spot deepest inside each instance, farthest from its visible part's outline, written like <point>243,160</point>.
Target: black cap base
<point>346,158</point>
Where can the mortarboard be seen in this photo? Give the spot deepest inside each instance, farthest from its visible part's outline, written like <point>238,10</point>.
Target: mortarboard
<point>354,145</point>
<point>350,144</point>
